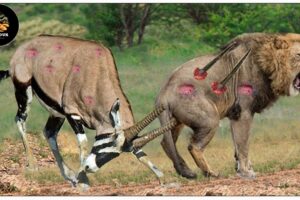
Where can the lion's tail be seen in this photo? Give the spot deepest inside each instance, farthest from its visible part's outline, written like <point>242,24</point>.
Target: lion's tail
<point>4,74</point>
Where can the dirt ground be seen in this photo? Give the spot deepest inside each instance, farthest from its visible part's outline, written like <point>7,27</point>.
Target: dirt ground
<point>13,181</point>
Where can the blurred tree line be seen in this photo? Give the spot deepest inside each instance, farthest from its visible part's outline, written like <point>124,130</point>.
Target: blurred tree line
<point>125,25</point>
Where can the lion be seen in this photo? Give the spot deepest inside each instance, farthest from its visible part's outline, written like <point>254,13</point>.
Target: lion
<point>270,71</point>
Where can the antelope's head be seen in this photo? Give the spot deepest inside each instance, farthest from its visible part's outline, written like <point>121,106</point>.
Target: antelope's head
<point>116,140</point>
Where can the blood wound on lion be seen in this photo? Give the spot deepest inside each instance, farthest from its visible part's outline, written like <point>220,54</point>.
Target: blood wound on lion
<point>76,68</point>
<point>186,89</point>
<point>245,89</point>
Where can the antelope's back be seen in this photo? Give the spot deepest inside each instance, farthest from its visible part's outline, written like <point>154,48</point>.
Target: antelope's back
<point>79,75</point>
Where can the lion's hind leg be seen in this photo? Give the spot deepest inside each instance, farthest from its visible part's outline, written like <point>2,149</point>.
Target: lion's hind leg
<point>169,145</point>
<point>198,143</point>
<point>204,125</point>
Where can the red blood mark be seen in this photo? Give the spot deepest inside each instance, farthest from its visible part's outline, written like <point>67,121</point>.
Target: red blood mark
<point>49,68</point>
<point>58,46</point>
<point>98,51</point>
<point>186,89</point>
<point>199,74</point>
<point>88,100</point>
<point>76,68</point>
<point>31,53</point>
<point>217,88</point>
<point>245,89</point>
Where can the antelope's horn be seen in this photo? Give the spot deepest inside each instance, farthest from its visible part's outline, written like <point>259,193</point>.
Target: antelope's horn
<point>147,137</point>
<point>236,67</point>
<point>134,130</point>
<point>211,63</point>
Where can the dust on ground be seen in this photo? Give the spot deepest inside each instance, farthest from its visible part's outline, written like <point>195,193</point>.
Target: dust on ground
<point>14,182</point>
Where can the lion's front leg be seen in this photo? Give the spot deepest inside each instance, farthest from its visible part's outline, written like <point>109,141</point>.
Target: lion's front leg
<point>240,130</point>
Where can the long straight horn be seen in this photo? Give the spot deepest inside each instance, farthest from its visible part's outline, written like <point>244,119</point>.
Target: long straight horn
<point>201,74</point>
<point>220,88</point>
<point>134,130</point>
<point>236,67</point>
<point>147,137</point>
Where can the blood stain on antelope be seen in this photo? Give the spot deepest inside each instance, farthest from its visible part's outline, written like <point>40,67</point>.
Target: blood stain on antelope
<point>88,100</point>
<point>31,53</point>
<point>245,89</point>
<point>186,89</point>
<point>98,51</point>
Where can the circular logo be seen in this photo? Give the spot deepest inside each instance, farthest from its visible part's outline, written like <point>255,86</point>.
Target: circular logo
<point>9,25</point>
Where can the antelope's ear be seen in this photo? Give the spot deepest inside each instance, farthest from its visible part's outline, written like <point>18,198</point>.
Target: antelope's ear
<point>114,114</point>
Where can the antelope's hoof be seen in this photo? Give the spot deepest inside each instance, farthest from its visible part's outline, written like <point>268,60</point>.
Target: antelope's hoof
<point>211,174</point>
<point>71,177</point>
<point>249,174</point>
<point>73,182</point>
<point>83,181</point>
<point>83,187</point>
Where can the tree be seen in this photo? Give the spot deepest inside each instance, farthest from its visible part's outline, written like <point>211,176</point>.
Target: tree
<point>104,23</point>
<point>135,18</point>
<point>114,23</point>
<point>199,13</point>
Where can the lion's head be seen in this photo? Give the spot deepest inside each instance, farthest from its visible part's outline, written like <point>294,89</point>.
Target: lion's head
<point>279,58</point>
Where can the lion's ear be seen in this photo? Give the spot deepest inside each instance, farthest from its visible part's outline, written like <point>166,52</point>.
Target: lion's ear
<point>280,43</point>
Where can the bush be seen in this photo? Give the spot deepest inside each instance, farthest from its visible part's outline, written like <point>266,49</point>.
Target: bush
<point>234,19</point>
<point>37,26</point>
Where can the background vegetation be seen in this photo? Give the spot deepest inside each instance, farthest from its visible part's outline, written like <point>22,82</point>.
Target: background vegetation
<point>149,41</point>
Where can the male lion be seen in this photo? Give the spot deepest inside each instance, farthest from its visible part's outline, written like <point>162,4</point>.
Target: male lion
<point>271,70</point>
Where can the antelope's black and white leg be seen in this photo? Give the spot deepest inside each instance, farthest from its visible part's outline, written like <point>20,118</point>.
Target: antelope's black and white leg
<point>51,130</point>
<point>108,144</point>
<point>23,94</point>
<point>76,124</point>
<point>140,154</point>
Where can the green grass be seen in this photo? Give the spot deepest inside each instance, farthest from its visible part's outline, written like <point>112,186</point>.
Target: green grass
<point>45,176</point>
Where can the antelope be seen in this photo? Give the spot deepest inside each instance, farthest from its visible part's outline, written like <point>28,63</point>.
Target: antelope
<point>77,80</point>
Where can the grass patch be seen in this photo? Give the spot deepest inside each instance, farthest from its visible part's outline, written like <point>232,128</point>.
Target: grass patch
<point>15,158</point>
<point>45,176</point>
<point>8,188</point>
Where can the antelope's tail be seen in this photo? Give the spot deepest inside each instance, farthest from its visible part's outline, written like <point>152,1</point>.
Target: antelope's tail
<point>4,74</point>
